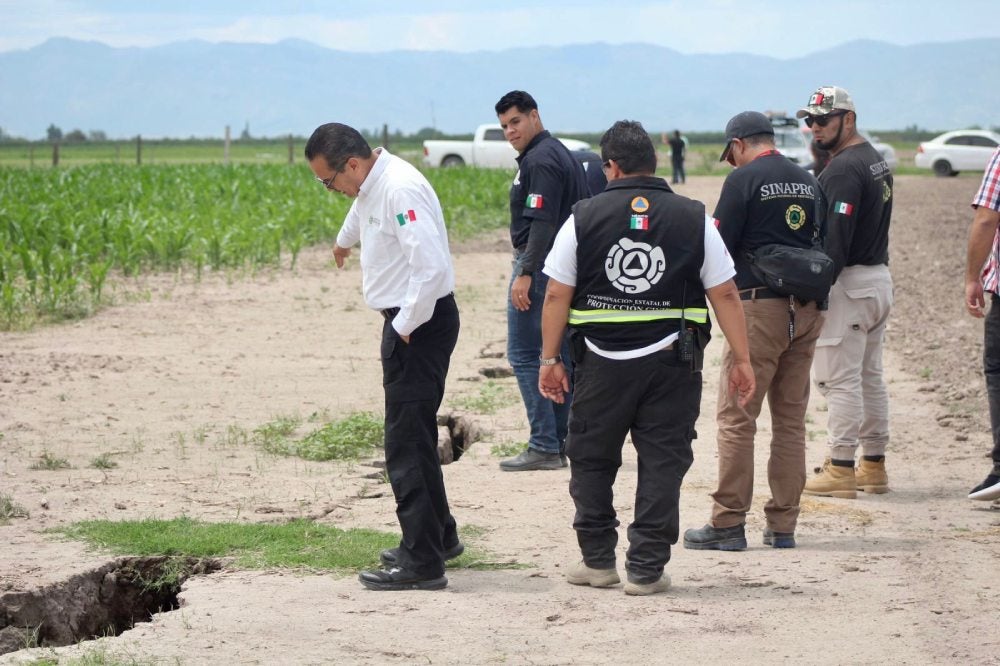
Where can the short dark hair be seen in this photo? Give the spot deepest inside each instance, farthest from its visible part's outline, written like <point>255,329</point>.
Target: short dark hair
<point>522,100</point>
<point>762,139</point>
<point>628,144</point>
<point>337,143</point>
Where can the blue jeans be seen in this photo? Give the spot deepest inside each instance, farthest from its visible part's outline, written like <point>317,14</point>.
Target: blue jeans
<point>524,345</point>
<point>991,367</point>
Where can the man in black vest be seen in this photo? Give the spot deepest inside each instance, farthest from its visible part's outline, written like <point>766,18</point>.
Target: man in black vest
<point>630,271</point>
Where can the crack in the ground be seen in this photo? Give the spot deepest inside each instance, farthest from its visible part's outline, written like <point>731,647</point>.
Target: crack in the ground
<point>101,602</point>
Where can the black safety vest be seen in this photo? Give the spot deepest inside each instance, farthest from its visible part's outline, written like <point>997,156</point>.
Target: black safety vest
<point>640,249</point>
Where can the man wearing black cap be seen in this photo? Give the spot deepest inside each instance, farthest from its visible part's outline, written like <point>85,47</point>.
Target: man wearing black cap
<point>857,184</point>
<point>767,199</point>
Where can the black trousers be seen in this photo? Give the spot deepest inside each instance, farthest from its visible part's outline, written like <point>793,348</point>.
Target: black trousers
<point>413,376</point>
<point>657,399</point>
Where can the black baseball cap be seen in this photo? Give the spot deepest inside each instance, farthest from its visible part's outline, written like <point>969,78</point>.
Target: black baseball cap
<point>744,124</point>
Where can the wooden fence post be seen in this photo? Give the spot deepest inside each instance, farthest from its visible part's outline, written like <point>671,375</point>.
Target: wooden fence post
<point>225,148</point>
<point>291,150</point>
<point>55,154</point>
<point>385,136</point>
<point>138,149</point>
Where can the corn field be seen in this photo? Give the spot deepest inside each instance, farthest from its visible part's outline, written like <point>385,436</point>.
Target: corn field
<point>67,232</point>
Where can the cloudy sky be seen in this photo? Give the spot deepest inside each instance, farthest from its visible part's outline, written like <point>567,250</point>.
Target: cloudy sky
<point>781,29</point>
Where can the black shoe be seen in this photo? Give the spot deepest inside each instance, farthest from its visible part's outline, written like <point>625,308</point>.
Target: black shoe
<point>716,538</point>
<point>987,490</point>
<point>779,539</point>
<point>399,579</point>
<point>389,555</point>
<point>530,459</point>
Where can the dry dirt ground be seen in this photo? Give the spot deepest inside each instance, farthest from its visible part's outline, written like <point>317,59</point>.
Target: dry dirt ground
<point>165,384</point>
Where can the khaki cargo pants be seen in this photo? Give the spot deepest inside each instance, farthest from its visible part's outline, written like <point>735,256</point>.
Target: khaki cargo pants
<point>848,364</point>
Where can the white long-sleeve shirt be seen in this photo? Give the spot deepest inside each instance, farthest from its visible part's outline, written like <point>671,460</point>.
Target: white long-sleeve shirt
<point>405,260</point>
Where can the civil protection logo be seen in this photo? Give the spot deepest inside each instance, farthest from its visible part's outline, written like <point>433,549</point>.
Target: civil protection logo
<point>634,267</point>
<point>795,217</point>
<point>640,204</point>
<point>886,192</point>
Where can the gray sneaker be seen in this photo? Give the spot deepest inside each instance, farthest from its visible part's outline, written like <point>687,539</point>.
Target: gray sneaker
<point>530,459</point>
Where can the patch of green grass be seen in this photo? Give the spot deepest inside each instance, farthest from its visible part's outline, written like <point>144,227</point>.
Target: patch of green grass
<point>297,544</point>
<point>507,449</point>
<point>97,656</point>
<point>274,434</point>
<point>47,461</point>
<point>103,461</point>
<point>347,438</point>
<point>492,397</point>
<point>10,509</point>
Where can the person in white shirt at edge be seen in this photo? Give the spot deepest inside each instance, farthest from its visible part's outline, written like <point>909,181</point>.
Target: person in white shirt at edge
<point>629,272</point>
<point>407,276</point>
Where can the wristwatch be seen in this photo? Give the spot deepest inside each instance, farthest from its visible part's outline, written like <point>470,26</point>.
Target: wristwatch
<point>549,361</point>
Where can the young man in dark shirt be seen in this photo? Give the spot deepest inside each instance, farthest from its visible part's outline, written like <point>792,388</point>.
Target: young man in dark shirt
<point>847,368</point>
<point>767,199</point>
<point>547,184</point>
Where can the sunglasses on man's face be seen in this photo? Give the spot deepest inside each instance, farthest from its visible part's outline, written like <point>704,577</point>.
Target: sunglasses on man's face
<point>823,121</point>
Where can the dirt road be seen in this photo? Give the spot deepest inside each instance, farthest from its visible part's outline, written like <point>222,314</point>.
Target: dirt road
<point>167,384</point>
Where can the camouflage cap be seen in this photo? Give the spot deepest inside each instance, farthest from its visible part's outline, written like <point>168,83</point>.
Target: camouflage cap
<point>825,100</point>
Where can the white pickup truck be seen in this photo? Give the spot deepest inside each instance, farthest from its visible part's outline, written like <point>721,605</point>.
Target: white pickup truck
<point>488,148</point>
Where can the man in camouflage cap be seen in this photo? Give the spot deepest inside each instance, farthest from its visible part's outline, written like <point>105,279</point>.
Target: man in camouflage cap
<point>847,366</point>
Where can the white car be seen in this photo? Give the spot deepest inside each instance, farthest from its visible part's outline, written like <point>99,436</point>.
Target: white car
<point>888,152</point>
<point>960,150</point>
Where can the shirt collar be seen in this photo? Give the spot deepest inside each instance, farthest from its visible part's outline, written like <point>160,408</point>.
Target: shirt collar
<point>544,134</point>
<point>654,182</point>
<point>378,168</point>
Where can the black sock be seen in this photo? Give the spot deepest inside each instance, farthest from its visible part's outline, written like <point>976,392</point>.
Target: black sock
<point>874,458</point>
<point>842,463</point>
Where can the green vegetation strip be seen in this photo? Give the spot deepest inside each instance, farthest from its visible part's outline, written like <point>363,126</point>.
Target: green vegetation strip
<point>65,232</point>
<point>348,438</point>
<point>297,544</point>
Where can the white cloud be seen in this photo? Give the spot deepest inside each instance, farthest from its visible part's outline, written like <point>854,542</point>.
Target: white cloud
<point>709,26</point>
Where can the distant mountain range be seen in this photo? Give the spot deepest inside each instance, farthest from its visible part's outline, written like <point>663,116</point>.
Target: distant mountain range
<point>196,88</point>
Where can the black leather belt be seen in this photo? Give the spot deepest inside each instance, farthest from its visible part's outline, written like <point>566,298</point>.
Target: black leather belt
<point>759,292</point>
<point>389,313</point>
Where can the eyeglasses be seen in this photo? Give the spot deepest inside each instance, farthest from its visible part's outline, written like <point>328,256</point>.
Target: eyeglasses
<point>823,121</point>
<point>328,182</point>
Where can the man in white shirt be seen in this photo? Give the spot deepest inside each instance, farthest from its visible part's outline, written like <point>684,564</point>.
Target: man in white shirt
<point>632,271</point>
<point>408,277</point>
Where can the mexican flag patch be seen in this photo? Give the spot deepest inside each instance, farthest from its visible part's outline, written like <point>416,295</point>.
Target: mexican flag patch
<point>639,222</point>
<point>843,208</point>
<point>408,216</point>
<point>534,201</point>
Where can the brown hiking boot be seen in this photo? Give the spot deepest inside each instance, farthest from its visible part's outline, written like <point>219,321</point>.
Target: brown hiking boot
<point>871,477</point>
<point>833,481</point>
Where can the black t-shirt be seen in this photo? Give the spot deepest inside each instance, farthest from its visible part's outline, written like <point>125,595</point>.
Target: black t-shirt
<point>677,148</point>
<point>548,182</point>
<point>858,187</point>
<point>769,200</point>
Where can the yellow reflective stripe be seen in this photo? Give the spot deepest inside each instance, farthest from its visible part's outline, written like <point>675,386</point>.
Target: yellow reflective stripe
<point>696,315</point>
